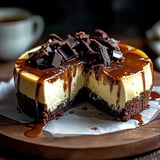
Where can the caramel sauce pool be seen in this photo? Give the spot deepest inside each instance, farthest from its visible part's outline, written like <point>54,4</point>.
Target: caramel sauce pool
<point>138,117</point>
<point>154,95</point>
<point>34,131</point>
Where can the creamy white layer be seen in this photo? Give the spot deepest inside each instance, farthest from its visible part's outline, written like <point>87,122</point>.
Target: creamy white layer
<point>51,93</point>
<point>127,88</point>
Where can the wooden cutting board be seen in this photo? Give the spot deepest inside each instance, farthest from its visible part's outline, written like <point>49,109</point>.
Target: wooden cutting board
<point>108,146</point>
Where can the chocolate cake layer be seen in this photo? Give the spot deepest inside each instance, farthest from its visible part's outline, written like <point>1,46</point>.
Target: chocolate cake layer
<point>39,111</point>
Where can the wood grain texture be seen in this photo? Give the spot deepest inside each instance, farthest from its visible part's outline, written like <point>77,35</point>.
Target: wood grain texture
<point>108,146</point>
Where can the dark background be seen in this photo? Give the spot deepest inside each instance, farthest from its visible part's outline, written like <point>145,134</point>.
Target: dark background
<point>124,17</point>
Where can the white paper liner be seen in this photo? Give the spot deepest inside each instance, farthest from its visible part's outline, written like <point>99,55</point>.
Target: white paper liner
<point>75,121</point>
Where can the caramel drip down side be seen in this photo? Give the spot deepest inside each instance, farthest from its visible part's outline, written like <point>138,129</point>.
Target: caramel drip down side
<point>144,85</point>
<point>118,93</point>
<point>152,70</point>
<point>67,77</point>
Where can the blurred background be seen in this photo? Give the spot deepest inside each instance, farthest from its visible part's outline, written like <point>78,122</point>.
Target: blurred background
<point>125,17</point>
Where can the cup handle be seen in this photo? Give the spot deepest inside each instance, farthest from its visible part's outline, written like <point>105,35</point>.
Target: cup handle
<point>38,27</point>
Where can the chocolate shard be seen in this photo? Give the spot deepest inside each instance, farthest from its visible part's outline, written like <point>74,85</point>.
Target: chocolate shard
<point>70,40</point>
<point>39,61</point>
<point>75,44</point>
<point>95,45</point>
<point>57,59</point>
<point>112,43</point>
<point>66,52</point>
<point>96,49</point>
<point>82,48</point>
<point>105,55</point>
<point>117,55</point>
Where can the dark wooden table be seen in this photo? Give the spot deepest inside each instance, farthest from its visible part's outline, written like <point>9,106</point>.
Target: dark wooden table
<point>6,71</point>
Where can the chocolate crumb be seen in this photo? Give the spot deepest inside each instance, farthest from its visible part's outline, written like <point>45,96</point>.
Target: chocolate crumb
<point>94,128</point>
<point>71,111</point>
<point>84,107</point>
<point>56,118</point>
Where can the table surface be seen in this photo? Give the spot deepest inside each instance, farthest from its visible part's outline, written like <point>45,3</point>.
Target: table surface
<point>6,71</point>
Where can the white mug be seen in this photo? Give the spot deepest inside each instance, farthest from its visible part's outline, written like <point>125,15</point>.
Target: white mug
<point>19,30</point>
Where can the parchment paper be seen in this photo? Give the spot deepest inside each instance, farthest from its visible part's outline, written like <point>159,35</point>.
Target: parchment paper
<point>83,119</point>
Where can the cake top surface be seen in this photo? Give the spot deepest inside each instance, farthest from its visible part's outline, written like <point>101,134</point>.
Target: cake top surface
<point>98,49</point>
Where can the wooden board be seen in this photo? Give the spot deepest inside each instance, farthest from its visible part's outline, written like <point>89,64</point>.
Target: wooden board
<point>114,145</point>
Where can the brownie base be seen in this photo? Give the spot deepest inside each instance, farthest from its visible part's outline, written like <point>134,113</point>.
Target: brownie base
<point>39,112</point>
<point>132,107</point>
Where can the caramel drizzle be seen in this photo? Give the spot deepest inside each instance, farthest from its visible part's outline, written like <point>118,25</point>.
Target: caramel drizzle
<point>50,75</point>
<point>118,94</point>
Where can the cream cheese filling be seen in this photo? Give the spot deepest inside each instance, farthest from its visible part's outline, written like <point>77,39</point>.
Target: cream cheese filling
<point>126,89</point>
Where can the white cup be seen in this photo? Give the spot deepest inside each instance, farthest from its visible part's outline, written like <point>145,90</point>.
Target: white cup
<point>19,30</point>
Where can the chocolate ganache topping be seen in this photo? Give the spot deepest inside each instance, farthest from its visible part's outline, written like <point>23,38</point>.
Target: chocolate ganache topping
<point>98,48</point>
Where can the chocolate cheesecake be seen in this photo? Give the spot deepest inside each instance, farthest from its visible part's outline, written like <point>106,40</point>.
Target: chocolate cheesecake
<point>115,77</point>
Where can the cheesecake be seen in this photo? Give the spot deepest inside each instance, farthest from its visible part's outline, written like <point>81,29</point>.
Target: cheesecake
<point>115,77</point>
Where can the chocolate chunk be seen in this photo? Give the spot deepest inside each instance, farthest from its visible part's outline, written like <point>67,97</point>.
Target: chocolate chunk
<point>75,44</point>
<point>83,48</point>
<point>39,61</point>
<point>57,59</point>
<point>96,49</point>
<point>70,40</point>
<point>95,44</point>
<point>105,55</point>
<point>66,52</point>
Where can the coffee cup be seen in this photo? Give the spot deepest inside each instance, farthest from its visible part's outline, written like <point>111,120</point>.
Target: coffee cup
<point>19,30</point>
